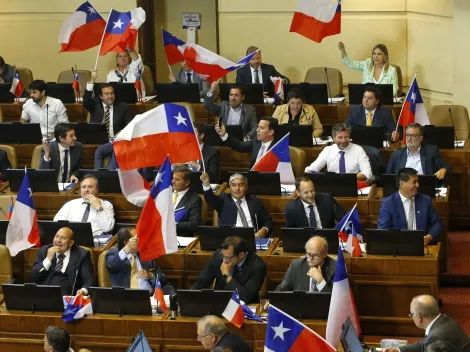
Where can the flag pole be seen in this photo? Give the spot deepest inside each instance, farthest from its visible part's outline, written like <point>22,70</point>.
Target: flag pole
<point>102,37</point>
<point>197,141</point>
<point>399,117</point>
<point>350,212</point>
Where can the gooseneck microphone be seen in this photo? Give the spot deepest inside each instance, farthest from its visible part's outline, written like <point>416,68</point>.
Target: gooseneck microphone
<point>173,306</point>
<point>47,122</point>
<point>328,85</point>
<point>453,125</point>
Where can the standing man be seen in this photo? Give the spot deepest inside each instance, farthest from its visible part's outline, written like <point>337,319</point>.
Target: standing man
<point>212,333</point>
<point>188,76</point>
<point>6,72</point>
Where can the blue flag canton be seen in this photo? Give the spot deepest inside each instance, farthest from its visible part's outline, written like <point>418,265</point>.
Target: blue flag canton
<point>414,96</point>
<point>341,272</point>
<point>178,118</point>
<point>163,179</point>
<point>282,150</point>
<point>118,22</point>
<point>25,194</point>
<point>169,38</point>
<point>282,331</point>
<point>91,13</point>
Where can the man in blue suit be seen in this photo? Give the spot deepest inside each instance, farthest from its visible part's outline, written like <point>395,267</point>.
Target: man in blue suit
<point>371,113</point>
<point>409,210</point>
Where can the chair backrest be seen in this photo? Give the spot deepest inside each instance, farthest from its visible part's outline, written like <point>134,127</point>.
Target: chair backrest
<point>26,76</point>
<point>1,114</point>
<point>36,158</point>
<point>147,78</point>
<point>84,76</point>
<point>318,75</point>
<point>5,265</point>
<point>298,159</point>
<point>103,275</point>
<point>189,106</point>
<point>400,80</point>
<point>439,116</point>
<point>204,210</point>
<point>11,154</point>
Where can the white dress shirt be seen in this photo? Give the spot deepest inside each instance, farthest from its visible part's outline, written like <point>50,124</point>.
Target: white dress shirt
<point>366,112</point>
<point>414,161</point>
<point>133,70</point>
<point>260,75</point>
<point>406,205</point>
<point>180,195</point>
<point>266,149</point>
<point>315,211</point>
<point>53,114</point>
<point>234,115</point>
<point>143,284</point>
<point>244,206</point>
<point>101,221</point>
<point>355,158</point>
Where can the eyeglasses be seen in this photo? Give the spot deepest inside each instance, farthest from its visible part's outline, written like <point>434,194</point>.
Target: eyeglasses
<point>413,136</point>
<point>225,257</point>
<point>199,338</point>
<point>313,256</point>
<point>411,315</point>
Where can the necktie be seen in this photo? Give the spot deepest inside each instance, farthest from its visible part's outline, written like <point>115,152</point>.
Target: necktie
<point>242,214</point>
<point>313,286</point>
<point>86,213</point>
<point>175,197</point>
<point>411,215</point>
<point>60,263</point>
<point>107,116</point>
<point>261,152</point>
<point>134,279</point>
<point>188,78</point>
<point>65,171</point>
<point>312,219</point>
<point>256,76</point>
<point>369,119</point>
<point>342,163</point>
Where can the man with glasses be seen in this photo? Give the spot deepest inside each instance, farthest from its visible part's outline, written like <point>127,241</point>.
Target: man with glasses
<point>438,327</point>
<point>425,159</point>
<point>233,267</point>
<point>314,272</point>
<point>212,333</point>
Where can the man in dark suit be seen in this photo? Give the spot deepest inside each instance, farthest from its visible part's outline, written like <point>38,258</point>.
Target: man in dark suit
<point>6,72</point>
<point>233,112</point>
<point>64,155</point>
<point>212,333</point>
<point>371,113</point>
<point>64,264</point>
<point>234,268</point>
<point>315,272</point>
<point>425,159</point>
<point>236,208</point>
<point>188,76</point>
<point>438,327</point>
<point>409,210</point>
<point>5,164</point>
<point>257,72</point>
<point>310,209</point>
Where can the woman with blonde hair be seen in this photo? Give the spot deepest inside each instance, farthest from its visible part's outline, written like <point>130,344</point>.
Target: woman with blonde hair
<point>128,65</point>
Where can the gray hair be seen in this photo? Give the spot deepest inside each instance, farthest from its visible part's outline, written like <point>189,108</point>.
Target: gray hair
<point>426,306</point>
<point>212,325</point>
<point>235,176</point>
<point>340,127</point>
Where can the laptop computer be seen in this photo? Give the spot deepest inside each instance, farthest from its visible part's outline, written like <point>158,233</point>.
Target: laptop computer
<point>314,93</point>
<point>356,92</point>
<point>33,298</point>
<point>120,301</point>
<point>253,92</point>
<point>198,303</point>
<point>395,242</point>
<point>294,239</point>
<point>40,180</point>
<point>349,339</point>
<point>427,184</point>
<point>211,237</point>
<point>338,185</point>
<point>61,91</point>
<point>177,92</point>
<point>300,135</point>
<point>5,95</point>
<point>302,305</point>
<point>82,230</point>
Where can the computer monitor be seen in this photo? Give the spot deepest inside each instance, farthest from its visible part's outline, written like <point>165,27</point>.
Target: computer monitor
<point>90,133</point>
<point>19,133</point>
<point>198,303</point>
<point>253,92</point>
<point>427,184</point>
<point>3,230</point>
<point>211,237</point>
<point>356,92</point>
<point>177,92</point>
<point>123,92</point>
<point>338,185</point>
<point>82,231</point>
<point>302,305</point>
<point>300,135</point>
<point>61,91</point>
<point>395,242</point>
<point>40,180</point>
<point>294,239</point>
<point>119,225</point>
<point>261,183</point>
<point>33,298</point>
<point>108,179</point>
<point>441,136</point>
<point>372,136</point>
<point>212,138</point>
<point>120,301</point>
<point>349,339</point>
<point>314,93</point>
<point>5,95</point>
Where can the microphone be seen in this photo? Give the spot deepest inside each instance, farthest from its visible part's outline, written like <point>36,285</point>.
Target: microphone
<point>47,122</point>
<point>74,282</point>
<point>173,306</point>
<point>453,125</point>
<point>328,84</point>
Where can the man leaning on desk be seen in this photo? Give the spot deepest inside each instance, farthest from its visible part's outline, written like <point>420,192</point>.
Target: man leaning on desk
<point>409,210</point>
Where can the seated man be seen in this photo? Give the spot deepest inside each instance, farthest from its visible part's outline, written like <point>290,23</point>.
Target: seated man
<point>343,156</point>
<point>425,159</point>
<point>257,72</point>
<point>212,333</point>
<point>125,267</point>
<point>438,327</point>
<point>186,201</point>
<point>233,112</point>
<point>4,164</point>
<point>89,208</point>
<point>409,210</point>
<point>315,272</point>
<point>64,264</point>
<point>237,208</point>
<point>64,155</point>
<point>234,268</point>
<point>188,76</point>
<point>310,209</point>
<point>371,113</point>
<point>6,72</point>
<point>56,339</point>
<point>46,111</point>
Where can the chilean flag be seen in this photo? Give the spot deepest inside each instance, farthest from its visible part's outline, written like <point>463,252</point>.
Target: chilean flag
<point>83,30</point>
<point>22,231</point>
<point>156,226</point>
<point>413,109</point>
<point>121,30</point>
<point>10,211</point>
<point>77,308</point>
<point>16,86</point>
<point>349,230</point>
<point>158,295</point>
<point>317,19</point>
<point>206,63</point>
<point>285,333</point>
<point>138,84</point>
<point>277,159</point>
<point>234,312</point>
<point>278,90</point>
<point>149,137</point>
<point>76,83</point>
<point>342,304</point>
<point>134,186</point>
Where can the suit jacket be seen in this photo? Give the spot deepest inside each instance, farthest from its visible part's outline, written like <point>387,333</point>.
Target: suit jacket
<point>233,342</point>
<point>192,203</point>
<point>4,164</point>
<point>227,210</point>
<point>296,278</point>
<point>247,280</point>
<point>382,117</point>
<point>76,155</point>
<point>8,73</point>
<point>211,157</point>
<point>392,215</point>
<point>244,76</point>
<point>248,119</point>
<point>94,105</point>
<point>80,260</point>
<point>252,146</point>
<point>327,206</point>
<point>444,329</point>
<point>204,86</point>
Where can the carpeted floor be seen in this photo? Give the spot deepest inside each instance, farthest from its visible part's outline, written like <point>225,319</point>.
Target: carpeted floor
<point>459,245</point>
<point>457,305</point>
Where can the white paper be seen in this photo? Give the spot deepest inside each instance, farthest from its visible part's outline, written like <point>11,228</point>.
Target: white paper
<point>148,98</point>
<point>184,241</point>
<point>319,141</point>
<point>63,186</point>
<point>153,301</point>
<point>287,189</point>
<point>364,191</point>
<point>459,144</point>
<point>335,100</point>
<point>269,100</point>
<point>22,100</point>
<point>442,191</point>
<point>399,100</point>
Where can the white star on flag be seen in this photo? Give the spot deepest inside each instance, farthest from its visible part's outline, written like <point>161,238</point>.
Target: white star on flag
<point>180,119</point>
<point>159,177</point>
<point>279,331</point>
<point>413,97</point>
<point>30,192</point>
<point>92,10</point>
<point>118,24</point>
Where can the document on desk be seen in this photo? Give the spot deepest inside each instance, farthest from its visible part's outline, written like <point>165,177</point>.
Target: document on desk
<point>148,98</point>
<point>64,186</point>
<point>287,189</point>
<point>184,241</point>
<point>319,141</point>
<point>336,100</point>
<point>363,191</point>
<point>459,144</point>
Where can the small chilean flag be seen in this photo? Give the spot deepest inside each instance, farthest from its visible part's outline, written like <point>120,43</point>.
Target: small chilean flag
<point>158,295</point>
<point>10,211</point>
<point>278,90</point>
<point>138,84</point>
<point>77,308</point>
<point>234,312</point>
<point>16,86</point>
<point>76,83</point>
<point>317,19</point>
<point>413,109</point>
<point>277,159</point>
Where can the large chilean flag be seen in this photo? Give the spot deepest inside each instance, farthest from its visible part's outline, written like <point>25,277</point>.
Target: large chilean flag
<point>413,109</point>
<point>317,19</point>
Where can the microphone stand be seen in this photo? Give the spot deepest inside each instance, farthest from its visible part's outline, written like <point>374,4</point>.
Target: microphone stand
<point>328,85</point>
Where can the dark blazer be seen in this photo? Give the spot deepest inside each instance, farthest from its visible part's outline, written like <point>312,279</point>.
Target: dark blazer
<point>204,86</point>
<point>94,105</point>
<point>227,210</point>
<point>79,259</point>
<point>4,164</point>
<point>244,76</point>
<point>248,119</point>
<point>76,155</point>
<point>8,73</point>
<point>296,278</point>
<point>211,157</point>
<point>233,342</point>
<point>392,215</point>
<point>192,202</point>
<point>247,280</point>
<point>327,206</point>
<point>431,160</point>
<point>252,146</point>
<point>444,329</point>
<point>382,117</point>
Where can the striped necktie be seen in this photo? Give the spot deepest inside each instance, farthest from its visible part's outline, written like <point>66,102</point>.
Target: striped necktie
<point>107,116</point>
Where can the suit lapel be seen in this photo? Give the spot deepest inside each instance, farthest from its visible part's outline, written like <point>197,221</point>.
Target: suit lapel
<point>419,216</point>
<point>301,210</point>
<point>401,209</point>
<point>305,281</point>
<point>422,156</point>
<point>57,154</point>
<point>183,200</point>
<point>251,208</point>
<point>403,157</point>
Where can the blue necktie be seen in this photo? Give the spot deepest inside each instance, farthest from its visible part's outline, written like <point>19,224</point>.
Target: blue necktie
<point>65,171</point>
<point>312,219</point>
<point>342,163</point>
<point>188,78</point>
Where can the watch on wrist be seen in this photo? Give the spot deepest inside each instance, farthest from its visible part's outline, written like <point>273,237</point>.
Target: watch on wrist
<point>99,209</point>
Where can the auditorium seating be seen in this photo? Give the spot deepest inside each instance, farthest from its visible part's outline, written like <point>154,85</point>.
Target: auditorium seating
<point>5,265</point>
<point>103,275</point>
<point>11,154</point>
<point>26,76</point>
<point>439,115</point>
<point>298,159</point>
<point>400,80</point>
<point>147,78</point>
<point>335,79</point>
<point>36,157</point>
<point>84,76</point>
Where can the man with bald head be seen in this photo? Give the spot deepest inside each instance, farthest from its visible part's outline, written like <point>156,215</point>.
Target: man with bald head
<point>64,264</point>
<point>314,272</point>
<point>424,311</point>
<point>212,333</point>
